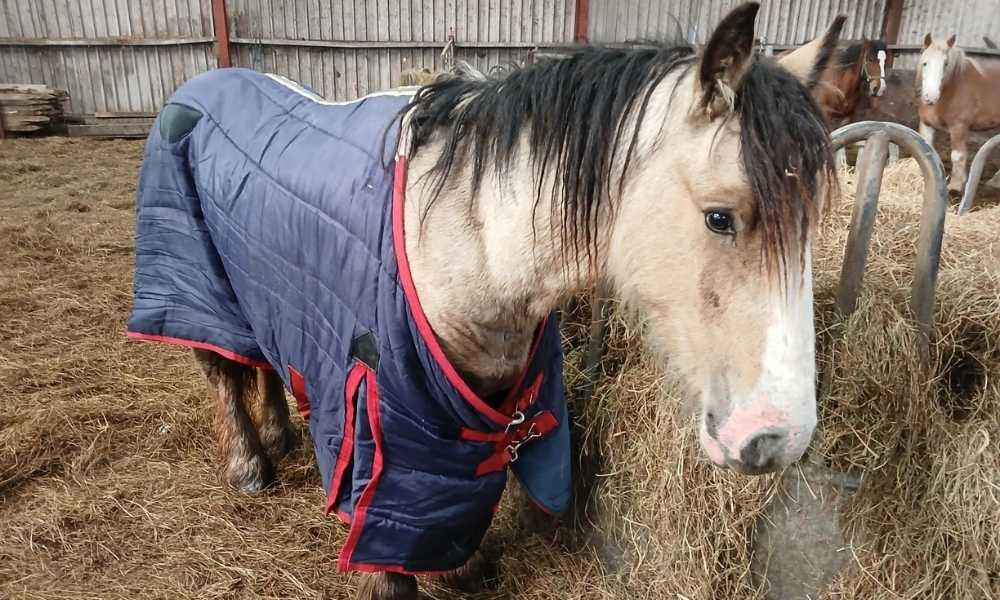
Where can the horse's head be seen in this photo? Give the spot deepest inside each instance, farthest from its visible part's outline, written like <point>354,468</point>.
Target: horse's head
<point>937,62</point>
<point>875,54</point>
<point>711,240</point>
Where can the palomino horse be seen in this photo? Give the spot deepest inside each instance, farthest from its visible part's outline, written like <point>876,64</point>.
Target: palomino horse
<point>957,94</point>
<point>857,71</point>
<point>408,306</point>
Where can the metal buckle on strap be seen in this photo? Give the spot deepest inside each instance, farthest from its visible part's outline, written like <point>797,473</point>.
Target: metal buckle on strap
<point>514,445</point>
<point>516,419</point>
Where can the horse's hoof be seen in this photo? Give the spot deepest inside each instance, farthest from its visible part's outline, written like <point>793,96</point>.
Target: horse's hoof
<point>279,441</point>
<point>387,586</point>
<point>252,475</point>
<point>479,574</point>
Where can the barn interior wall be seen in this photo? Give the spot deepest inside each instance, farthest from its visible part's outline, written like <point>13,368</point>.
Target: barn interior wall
<point>129,55</point>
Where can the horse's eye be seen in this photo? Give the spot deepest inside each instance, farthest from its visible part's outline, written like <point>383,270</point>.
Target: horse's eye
<point>924,64</point>
<point>719,221</point>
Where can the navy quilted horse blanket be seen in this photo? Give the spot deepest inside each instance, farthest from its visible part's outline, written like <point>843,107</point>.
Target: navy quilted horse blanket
<point>270,230</point>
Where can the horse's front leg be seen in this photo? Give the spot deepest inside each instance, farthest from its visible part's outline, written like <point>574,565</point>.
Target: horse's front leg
<point>276,431</point>
<point>959,155</point>
<point>927,132</point>
<point>245,465</point>
<point>387,586</point>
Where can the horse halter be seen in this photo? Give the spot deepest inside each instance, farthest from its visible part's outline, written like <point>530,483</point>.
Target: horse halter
<point>880,80</point>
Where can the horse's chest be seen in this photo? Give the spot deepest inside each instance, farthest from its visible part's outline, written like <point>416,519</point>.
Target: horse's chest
<point>931,115</point>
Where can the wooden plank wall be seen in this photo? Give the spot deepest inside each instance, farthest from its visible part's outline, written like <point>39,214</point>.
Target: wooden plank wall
<point>344,49</point>
<point>130,55</point>
<point>110,55</point>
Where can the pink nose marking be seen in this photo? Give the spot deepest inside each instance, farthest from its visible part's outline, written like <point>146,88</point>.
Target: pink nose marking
<point>744,422</point>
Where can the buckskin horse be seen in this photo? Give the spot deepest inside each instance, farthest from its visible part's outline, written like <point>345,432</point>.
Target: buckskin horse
<point>396,262</point>
<point>957,94</point>
<point>856,72</point>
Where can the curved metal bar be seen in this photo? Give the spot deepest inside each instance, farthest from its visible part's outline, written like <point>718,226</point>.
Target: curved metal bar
<point>976,173</point>
<point>600,312</point>
<point>932,218</point>
<point>871,163</point>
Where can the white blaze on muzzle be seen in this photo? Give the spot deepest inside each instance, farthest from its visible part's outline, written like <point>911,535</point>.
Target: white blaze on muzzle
<point>881,74</point>
<point>931,77</point>
<point>772,425</point>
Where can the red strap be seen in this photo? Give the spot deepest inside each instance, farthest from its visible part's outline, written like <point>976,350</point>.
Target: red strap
<point>530,395</point>
<point>536,427</point>
<point>358,372</point>
<point>299,392</point>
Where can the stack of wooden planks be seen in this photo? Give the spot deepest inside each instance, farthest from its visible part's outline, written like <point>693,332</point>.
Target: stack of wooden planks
<point>26,107</point>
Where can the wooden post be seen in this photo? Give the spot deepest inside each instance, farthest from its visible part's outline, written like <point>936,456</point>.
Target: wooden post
<point>219,18</point>
<point>890,25</point>
<point>582,22</point>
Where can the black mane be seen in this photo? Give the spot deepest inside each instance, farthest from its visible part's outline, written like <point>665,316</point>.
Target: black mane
<point>576,111</point>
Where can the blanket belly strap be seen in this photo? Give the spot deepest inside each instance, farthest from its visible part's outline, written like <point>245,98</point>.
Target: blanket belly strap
<point>507,443</point>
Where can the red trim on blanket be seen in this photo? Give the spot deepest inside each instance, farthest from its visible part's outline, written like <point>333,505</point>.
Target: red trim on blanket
<point>530,395</point>
<point>507,407</point>
<point>539,505</point>
<point>299,391</point>
<point>223,352</point>
<point>351,386</point>
<point>344,563</point>
<point>369,568</point>
<point>423,325</point>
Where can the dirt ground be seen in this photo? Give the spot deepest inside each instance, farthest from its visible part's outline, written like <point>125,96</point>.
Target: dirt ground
<point>107,480</point>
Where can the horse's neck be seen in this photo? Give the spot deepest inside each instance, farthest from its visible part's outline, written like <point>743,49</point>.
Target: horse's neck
<point>970,95</point>
<point>484,275</point>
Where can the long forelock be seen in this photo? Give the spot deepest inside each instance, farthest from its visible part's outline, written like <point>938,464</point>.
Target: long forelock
<point>580,116</point>
<point>786,154</point>
<point>957,61</point>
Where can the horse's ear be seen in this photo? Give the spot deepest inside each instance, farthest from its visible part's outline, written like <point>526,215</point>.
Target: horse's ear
<point>951,40</point>
<point>809,61</point>
<point>726,57</point>
<point>928,40</point>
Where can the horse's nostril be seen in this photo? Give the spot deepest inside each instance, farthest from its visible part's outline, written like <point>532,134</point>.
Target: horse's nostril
<point>711,424</point>
<point>762,451</point>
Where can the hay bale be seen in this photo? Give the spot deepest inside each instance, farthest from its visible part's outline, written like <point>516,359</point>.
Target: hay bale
<point>925,443</point>
<point>417,77</point>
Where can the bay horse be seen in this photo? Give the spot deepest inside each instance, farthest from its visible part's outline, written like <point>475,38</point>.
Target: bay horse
<point>956,94</point>
<point>855,74</point>
<point>407,300</point>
